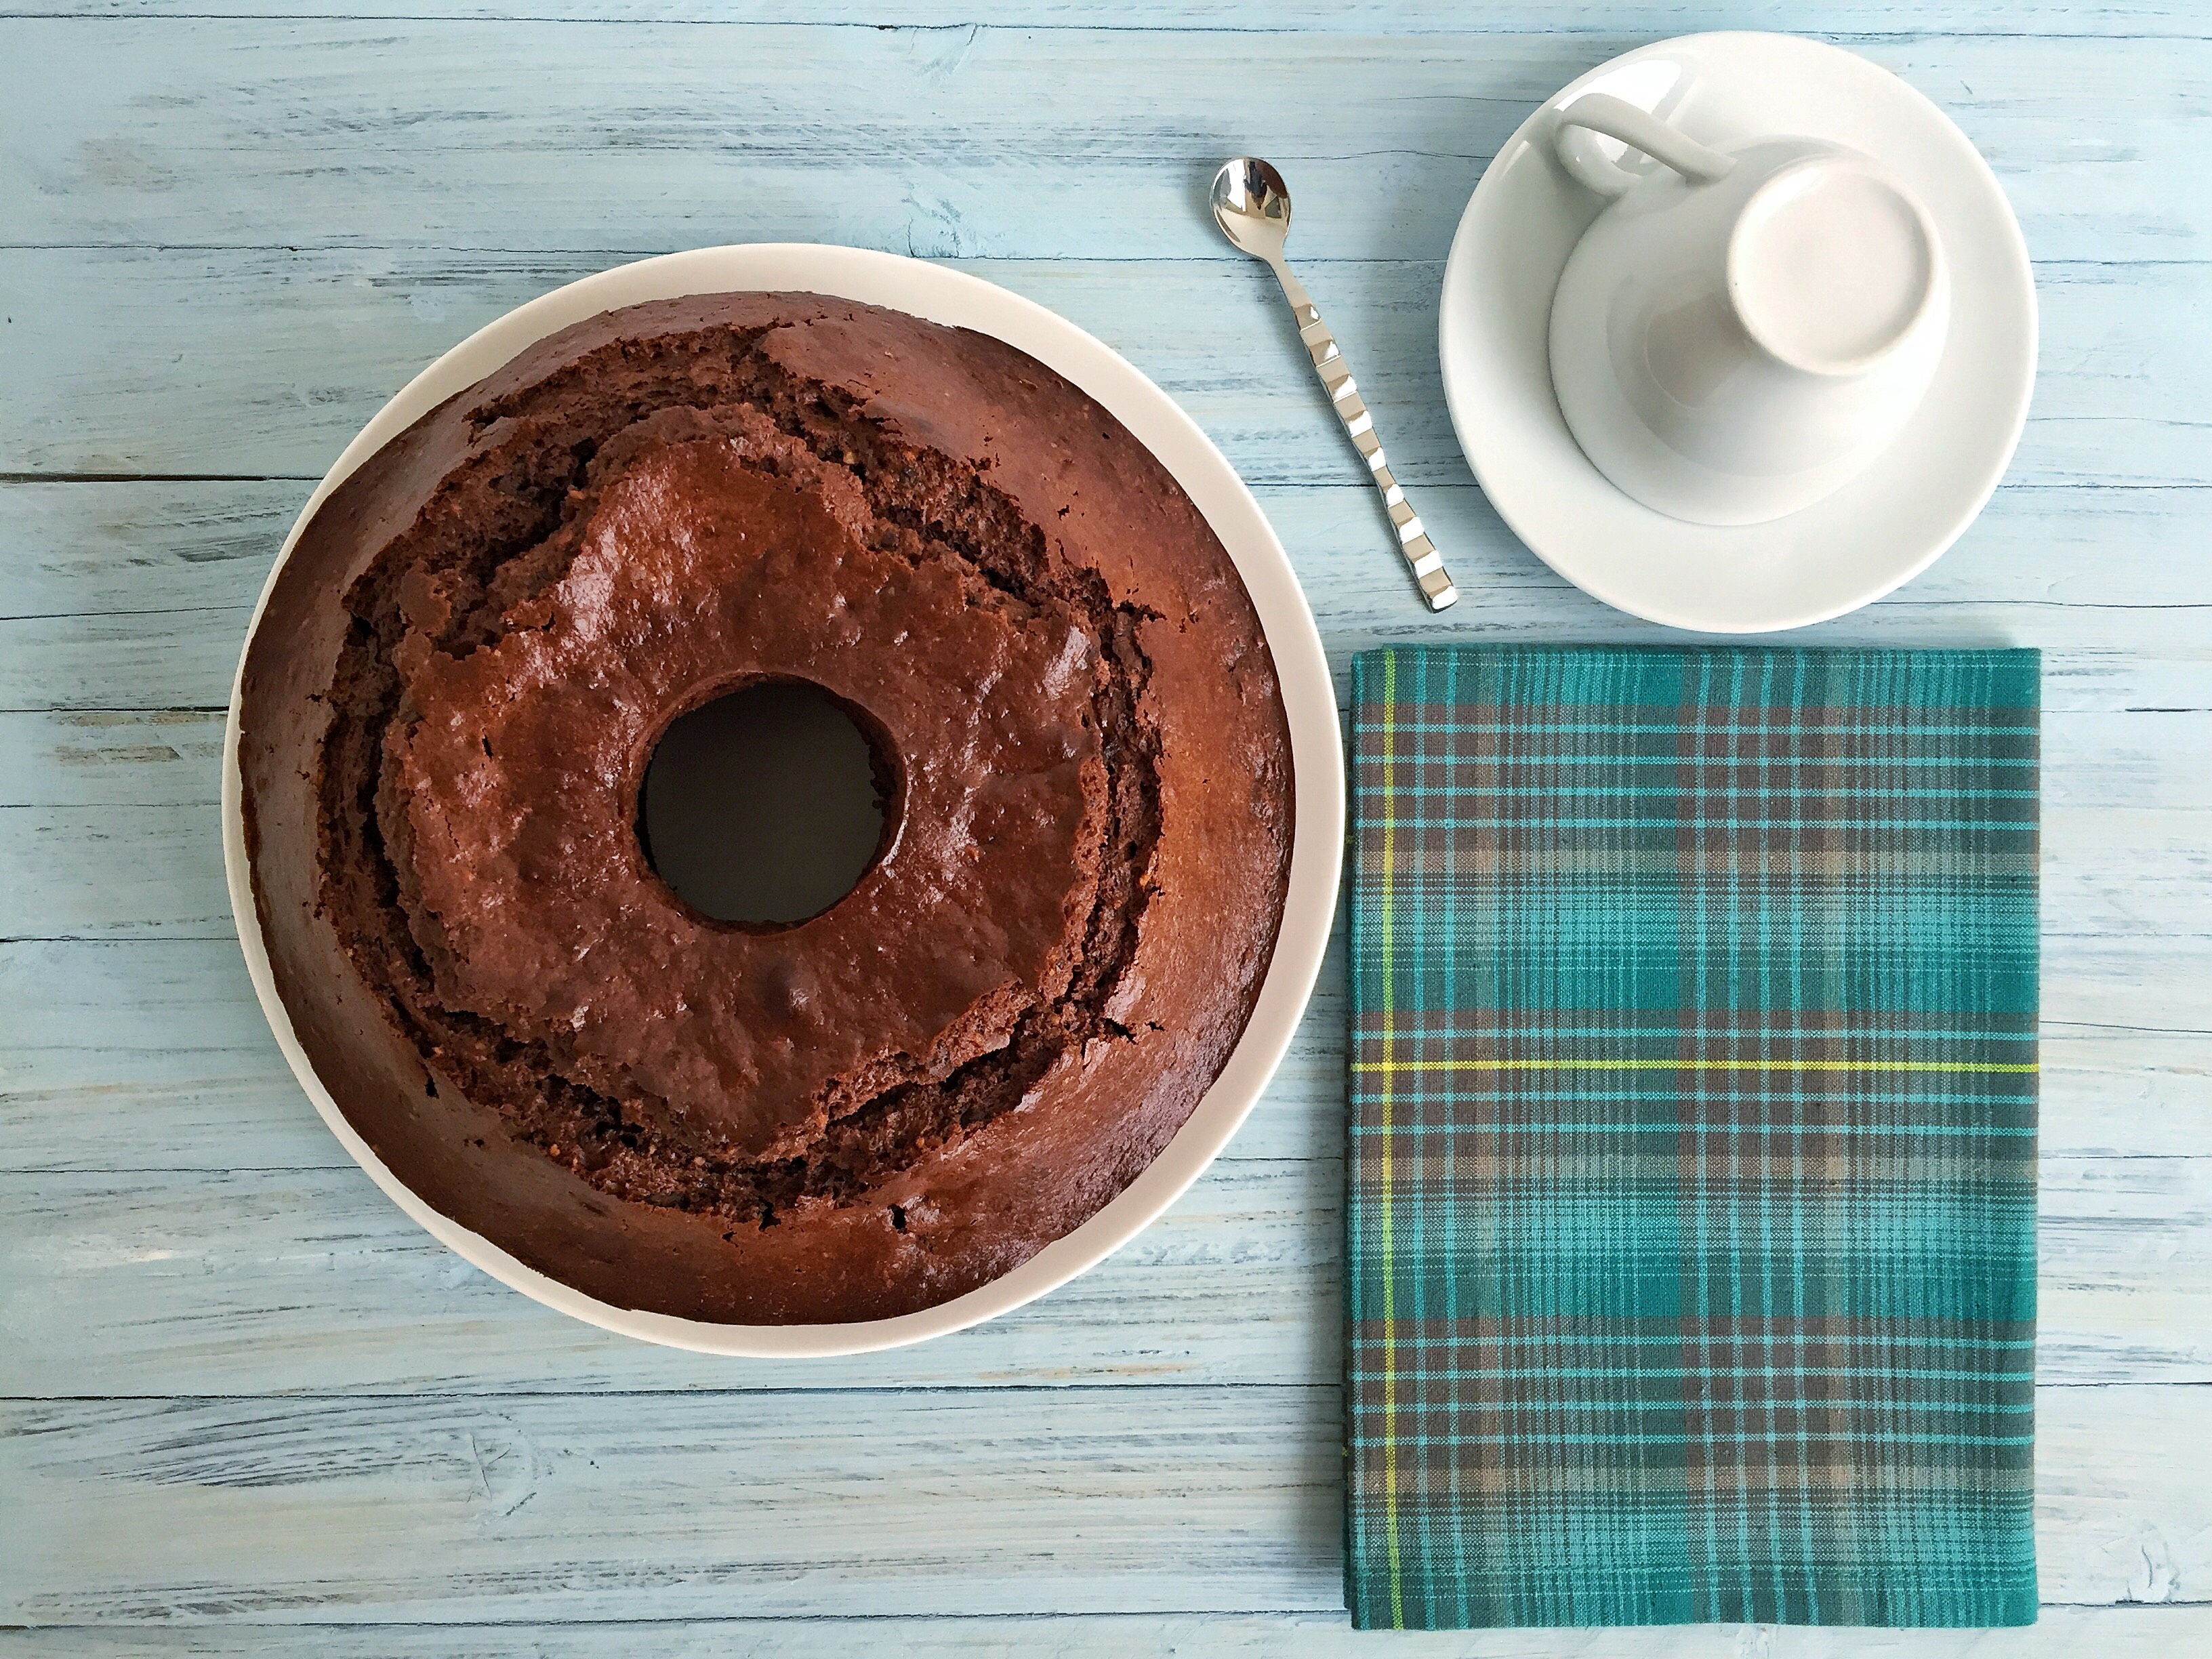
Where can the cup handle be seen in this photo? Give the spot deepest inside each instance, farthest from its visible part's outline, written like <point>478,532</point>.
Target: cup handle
<point>1598,111</point>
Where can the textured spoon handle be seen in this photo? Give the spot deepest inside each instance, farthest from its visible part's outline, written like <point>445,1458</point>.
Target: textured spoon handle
<point>1421,556</point>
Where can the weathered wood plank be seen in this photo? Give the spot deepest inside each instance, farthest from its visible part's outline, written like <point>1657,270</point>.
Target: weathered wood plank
<point>2125,1254</point>
<point>2062,1632</point>
<point>291,351</point>
<point>87,849</point>
<point>133,660</point>
<point>110,757</point>
<point>112,873</point>
<point>123,872</point>
<point>87,548</point>
<point>265,1282</point>
<point>152,1054</point>
<point>1655,19</point>
<point>92,550</point>
<point>2115,1089</point>
<point>542,1507</point>
<point>199,131</point>
<point>2109,582</point>
<point>441,1508</point>
<point>311,1280</point>
<point>170,757</point>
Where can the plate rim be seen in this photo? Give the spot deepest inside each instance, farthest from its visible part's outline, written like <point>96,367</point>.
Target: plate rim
<point>1461,393</point>
<point>942,294</point>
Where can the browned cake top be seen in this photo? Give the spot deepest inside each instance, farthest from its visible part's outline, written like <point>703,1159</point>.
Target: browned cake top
<point>448,710</point>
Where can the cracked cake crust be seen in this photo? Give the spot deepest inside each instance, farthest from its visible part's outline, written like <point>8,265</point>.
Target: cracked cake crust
<point>447,712</point>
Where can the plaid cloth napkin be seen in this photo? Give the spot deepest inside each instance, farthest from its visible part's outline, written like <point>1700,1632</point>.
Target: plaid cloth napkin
<point>1691,1206</point>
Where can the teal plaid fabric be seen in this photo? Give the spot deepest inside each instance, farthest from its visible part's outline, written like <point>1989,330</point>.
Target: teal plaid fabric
<point>1691,1171</point>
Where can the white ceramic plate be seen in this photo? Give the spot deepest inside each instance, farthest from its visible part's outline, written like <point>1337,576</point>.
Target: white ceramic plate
<point>1878,530</point>
<point>944,296</point>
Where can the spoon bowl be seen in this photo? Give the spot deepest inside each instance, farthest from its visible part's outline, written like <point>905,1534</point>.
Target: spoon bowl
<point>1252,206</point>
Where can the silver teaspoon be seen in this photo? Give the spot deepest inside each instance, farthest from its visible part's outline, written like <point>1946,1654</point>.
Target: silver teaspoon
<point>1252,206</point>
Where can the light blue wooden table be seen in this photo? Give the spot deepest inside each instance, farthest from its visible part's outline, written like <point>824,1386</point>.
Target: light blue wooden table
<point>243,1396</point>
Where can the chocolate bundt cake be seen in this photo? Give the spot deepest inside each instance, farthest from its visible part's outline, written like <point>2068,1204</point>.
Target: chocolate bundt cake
<point>446,712</point>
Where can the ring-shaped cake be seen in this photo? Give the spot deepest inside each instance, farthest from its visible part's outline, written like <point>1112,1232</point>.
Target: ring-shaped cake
<point>445,718</point>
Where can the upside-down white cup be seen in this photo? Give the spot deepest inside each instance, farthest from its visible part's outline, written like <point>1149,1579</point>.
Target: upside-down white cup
<point>1738,333</point>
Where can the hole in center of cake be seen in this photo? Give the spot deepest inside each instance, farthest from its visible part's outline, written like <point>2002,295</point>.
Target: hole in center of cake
<point>765,807</point>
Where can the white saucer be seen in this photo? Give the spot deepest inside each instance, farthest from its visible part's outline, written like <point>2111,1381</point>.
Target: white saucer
<point>1881,529</point>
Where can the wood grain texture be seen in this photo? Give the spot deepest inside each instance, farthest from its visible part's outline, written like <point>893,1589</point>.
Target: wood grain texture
<point>429,1507</point>
<point>2149,1632</point>
<point>2115,864</point>
<point>1656,19</point>
<point>153,1055</point>
<point>2109,583</point>
<point>252,1282</point>
<point>246,1407</point>
<point>238,133</point>
<point>292,351</point>
<point>118,758</point>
